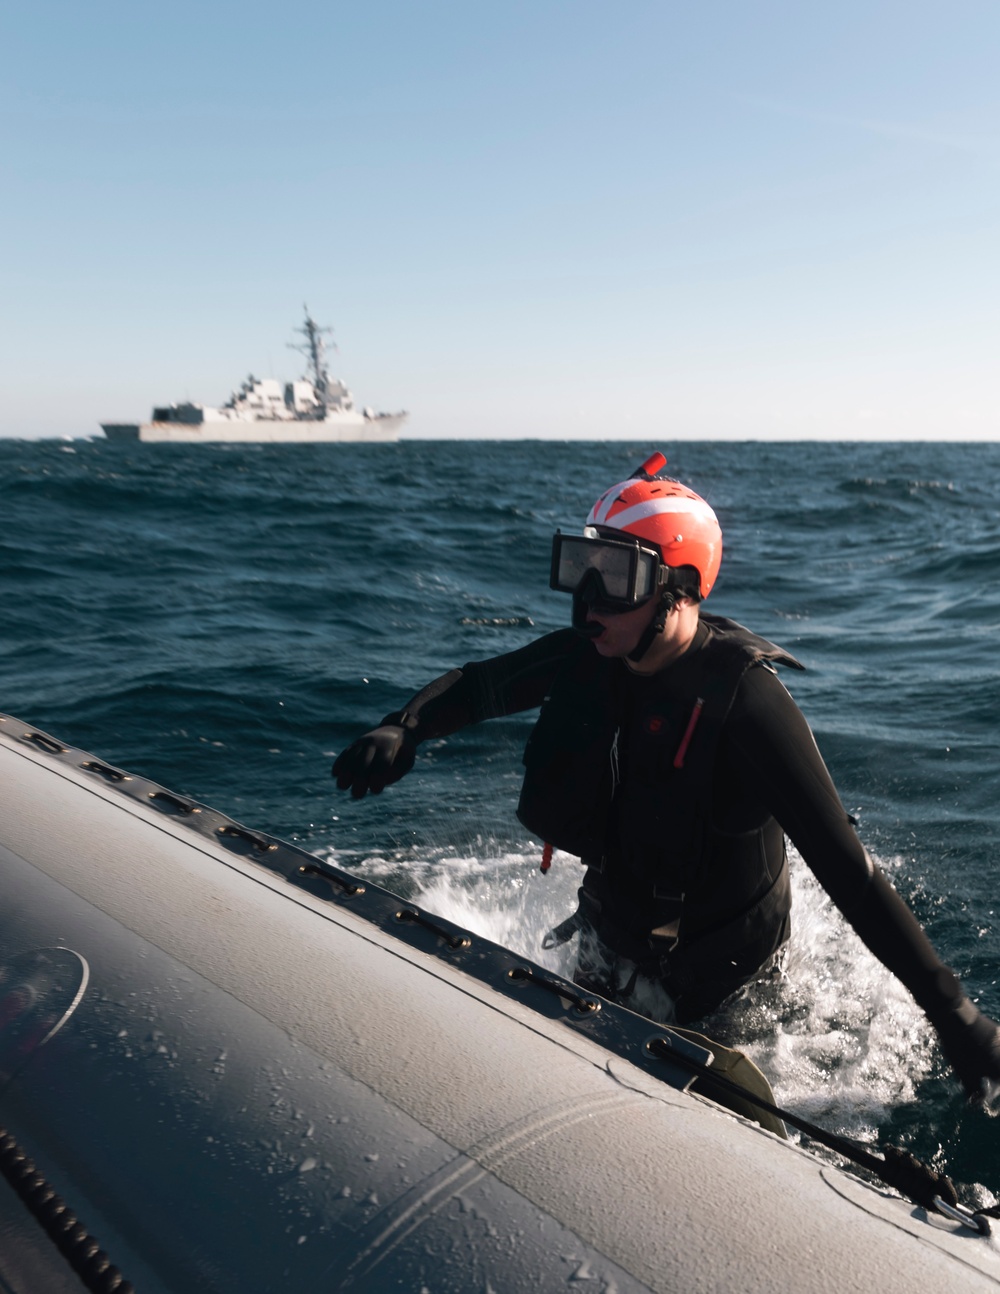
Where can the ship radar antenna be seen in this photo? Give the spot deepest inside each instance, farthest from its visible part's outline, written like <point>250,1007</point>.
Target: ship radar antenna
<point>313,347</point>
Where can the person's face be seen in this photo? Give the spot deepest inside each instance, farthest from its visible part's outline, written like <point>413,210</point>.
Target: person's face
<point>621,631</point>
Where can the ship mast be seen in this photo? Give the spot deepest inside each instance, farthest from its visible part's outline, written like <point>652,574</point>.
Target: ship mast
<point>314,349</point>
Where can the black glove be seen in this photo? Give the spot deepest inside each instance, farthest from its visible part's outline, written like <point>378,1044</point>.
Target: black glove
<point>971,1043</point>
<point>375,760</point>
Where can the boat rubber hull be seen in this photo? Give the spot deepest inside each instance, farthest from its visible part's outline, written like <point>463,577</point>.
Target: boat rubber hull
<point>246,1071</point>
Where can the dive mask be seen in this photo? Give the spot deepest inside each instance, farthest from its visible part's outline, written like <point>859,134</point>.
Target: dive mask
<point>610,575</point>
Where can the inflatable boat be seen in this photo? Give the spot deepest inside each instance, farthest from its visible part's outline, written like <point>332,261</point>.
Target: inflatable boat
<point>228,1066</point>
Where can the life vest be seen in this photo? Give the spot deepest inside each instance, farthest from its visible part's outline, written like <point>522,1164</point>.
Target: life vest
<point>620,771</point>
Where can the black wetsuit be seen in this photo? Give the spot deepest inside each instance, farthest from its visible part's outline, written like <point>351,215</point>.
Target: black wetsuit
<point>766,766</point>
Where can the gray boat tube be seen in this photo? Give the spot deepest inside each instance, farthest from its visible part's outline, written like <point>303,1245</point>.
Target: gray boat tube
<point>246,1070</point>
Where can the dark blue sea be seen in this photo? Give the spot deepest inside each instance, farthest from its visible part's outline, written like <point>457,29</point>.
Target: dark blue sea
<point>223,619</point>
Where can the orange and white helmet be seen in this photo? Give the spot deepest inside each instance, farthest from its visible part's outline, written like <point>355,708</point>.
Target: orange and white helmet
<point>665,514</point>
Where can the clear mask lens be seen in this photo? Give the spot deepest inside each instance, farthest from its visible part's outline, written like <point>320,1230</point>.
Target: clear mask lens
<point>625,572</point>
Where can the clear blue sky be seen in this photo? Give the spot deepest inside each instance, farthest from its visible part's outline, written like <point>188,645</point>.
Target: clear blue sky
<point>557,217</point>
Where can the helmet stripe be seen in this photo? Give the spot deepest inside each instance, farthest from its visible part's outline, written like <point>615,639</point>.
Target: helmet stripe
<point>649,508</point>
<point>600,509</point>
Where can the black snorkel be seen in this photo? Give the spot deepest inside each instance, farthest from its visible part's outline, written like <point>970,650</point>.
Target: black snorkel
<point>588,594</point>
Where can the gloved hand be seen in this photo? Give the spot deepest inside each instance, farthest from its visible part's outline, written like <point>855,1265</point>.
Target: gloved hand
<point>375,760</point>
<point>971,1043</point>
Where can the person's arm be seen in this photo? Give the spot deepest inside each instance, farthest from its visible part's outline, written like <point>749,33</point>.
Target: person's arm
<point>777,753</point>
<point>506,684</point>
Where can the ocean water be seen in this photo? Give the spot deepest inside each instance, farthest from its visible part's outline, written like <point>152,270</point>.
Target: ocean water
<point>224,619</point>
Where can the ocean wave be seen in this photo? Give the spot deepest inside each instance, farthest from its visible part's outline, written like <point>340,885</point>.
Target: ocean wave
<point>223,619</point>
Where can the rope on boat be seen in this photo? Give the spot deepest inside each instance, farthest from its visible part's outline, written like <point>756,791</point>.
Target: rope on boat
<point>897,1168</point>
<point>60,1224</point>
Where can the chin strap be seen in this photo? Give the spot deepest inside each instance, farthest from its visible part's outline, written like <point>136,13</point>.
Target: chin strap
<point>655,626</point>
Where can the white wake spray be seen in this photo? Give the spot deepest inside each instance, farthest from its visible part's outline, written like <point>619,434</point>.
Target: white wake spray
<point>840,1038</point>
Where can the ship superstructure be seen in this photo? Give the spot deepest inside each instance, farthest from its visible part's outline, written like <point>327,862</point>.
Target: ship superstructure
<point>316,408</point>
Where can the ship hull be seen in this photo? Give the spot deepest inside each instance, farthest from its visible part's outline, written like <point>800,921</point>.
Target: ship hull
<point>382,429</point>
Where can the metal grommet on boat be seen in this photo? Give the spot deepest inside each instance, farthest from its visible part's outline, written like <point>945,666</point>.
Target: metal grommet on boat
<point>260,843</point>
<point>345,884</point>
<point>166,800</point>
<point>105,770</point>
<point>453,938</point>
<point>46,743</point>
<point>959,1213</point>
<point>563,988</point>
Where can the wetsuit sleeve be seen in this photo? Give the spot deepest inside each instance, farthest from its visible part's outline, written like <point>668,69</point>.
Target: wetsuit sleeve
<point>770,744</point>
<point>487,689</point>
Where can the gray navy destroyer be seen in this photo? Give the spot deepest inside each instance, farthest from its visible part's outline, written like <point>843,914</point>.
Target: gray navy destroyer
<point>316,409</point>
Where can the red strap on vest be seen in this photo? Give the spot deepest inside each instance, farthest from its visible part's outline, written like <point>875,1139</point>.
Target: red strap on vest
<point>682,749</point>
